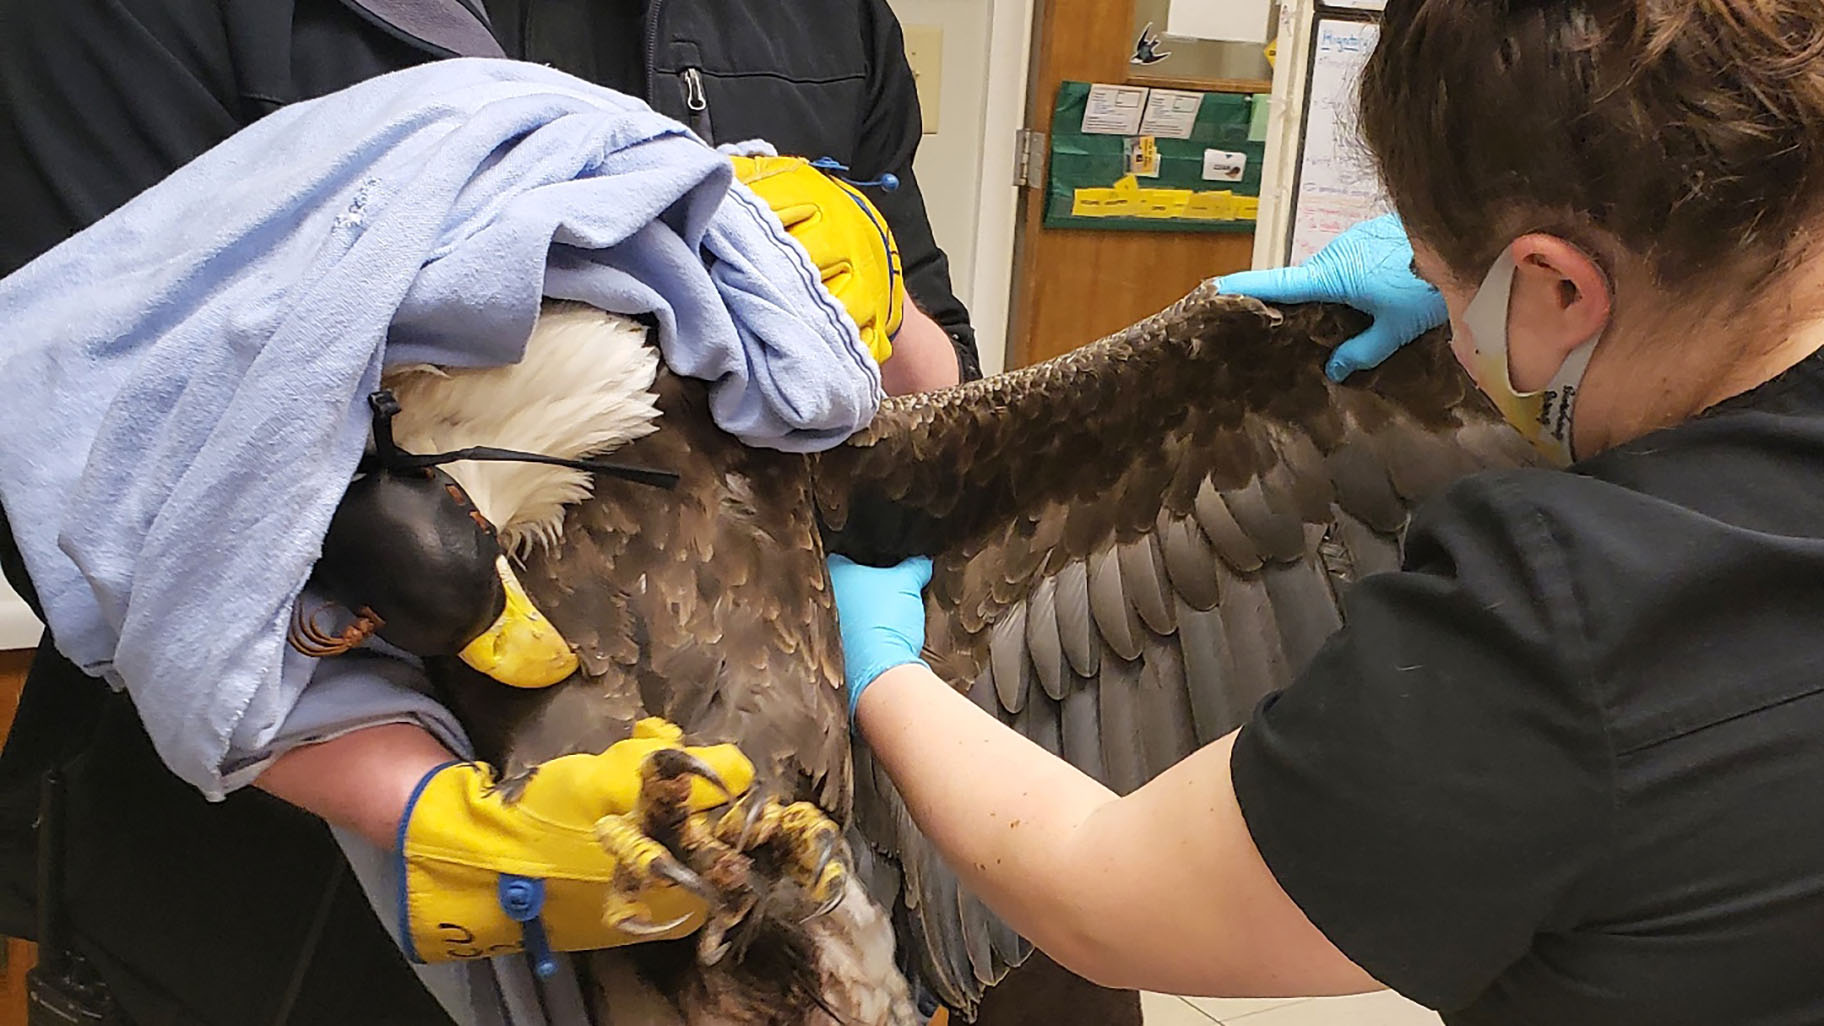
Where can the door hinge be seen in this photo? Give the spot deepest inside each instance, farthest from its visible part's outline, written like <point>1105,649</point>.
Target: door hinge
<point>1028,158</point>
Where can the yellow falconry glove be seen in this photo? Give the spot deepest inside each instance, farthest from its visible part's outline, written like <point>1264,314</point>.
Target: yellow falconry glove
<point>566,865</point>
<point>846,237</point>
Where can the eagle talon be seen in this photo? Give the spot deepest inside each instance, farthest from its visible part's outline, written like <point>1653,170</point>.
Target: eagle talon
<point>709,953</point>
<point>829,878</point>
<point>758,817</point>
<point>682,875</point>
<point>670,764</point>
<point>635,927</point>
<point>828,906</point>
<point>642,863</point>
<point>757,807</point>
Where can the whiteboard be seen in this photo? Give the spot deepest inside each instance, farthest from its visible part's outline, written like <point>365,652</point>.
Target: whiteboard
<point>1337,185</point>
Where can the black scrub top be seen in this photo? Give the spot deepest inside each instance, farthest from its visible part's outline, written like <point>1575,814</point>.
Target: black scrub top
<point>1568,767</point>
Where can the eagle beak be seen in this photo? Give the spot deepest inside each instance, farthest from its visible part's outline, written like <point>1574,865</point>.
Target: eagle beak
<point>521,648</point>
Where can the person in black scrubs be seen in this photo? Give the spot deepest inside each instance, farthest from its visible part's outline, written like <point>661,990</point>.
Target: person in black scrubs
<point>242,912</point>
<point>1567,765</point>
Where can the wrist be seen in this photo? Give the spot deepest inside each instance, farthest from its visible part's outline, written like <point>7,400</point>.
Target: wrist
<point>876,704</point>
<point>363,781</point>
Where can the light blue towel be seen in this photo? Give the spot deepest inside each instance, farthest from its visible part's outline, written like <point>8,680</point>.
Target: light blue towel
<point>186,377</point>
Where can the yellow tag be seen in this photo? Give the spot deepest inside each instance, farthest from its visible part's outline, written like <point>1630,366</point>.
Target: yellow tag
<point>1164,203</point>
<point>1211,206</point>
<point>1097,203</point>
<point>1272,52</point>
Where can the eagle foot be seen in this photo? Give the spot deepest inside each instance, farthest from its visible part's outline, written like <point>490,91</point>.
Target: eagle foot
<point>641,863</point>
<point>714,855</point>
<point>805,840</point>
<point>636,840</point>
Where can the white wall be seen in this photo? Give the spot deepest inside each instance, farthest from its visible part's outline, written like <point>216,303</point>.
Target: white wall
<point>966,168</point>
<point>949,162</point>
<point>18,627</point>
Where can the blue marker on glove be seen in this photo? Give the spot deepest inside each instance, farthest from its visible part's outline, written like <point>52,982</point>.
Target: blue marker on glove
<point>1368,267</point>
<point>882,615</point>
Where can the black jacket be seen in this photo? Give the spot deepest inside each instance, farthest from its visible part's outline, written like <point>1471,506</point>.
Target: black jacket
<point>101,98</point>
<point>240,912</point>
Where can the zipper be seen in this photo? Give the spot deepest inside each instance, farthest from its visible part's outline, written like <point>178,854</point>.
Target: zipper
<point>654,11</point>
<point>697,103</point>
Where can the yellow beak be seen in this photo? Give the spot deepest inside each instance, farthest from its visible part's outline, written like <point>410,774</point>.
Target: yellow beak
<point>521,648</point>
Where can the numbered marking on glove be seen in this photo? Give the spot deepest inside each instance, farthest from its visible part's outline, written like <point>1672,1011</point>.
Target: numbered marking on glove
<point>458,942</point>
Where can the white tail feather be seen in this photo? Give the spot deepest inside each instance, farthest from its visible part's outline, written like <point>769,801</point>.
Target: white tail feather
<point>582,389</point>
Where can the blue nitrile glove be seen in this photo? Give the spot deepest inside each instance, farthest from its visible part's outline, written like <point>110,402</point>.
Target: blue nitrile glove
<point>1368,267</point>
<point>882,615</point>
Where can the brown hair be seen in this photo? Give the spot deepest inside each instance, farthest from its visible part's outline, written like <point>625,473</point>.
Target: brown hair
<point>1689,131</point>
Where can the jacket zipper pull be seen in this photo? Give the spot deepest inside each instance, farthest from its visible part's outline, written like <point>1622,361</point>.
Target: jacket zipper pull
<point>697,103</point>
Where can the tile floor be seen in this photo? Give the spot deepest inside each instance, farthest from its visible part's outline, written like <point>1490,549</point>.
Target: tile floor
<point>1385,1009</point>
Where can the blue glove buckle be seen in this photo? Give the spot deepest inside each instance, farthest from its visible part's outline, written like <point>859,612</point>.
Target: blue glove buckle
<point>522,898</point>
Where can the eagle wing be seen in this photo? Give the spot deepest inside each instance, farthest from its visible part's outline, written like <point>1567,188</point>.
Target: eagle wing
<point>1135,542</point>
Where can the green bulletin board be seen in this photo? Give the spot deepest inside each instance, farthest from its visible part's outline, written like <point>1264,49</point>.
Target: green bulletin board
<point>1089,184</point>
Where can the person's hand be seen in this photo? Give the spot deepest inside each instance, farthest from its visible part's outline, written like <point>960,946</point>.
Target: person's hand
<point>846,237</point>
<point>882,615</point>
<point>1368,267</point>
<point>566,865</point>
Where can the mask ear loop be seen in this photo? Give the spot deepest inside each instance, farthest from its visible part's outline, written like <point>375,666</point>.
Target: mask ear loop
<point>1487,316</point>
<point>1545,416</point>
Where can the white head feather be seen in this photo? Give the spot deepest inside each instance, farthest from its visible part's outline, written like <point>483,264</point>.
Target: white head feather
<point>584,388</point>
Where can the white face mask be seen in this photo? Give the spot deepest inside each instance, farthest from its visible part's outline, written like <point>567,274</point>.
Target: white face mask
<point>1544,417</point>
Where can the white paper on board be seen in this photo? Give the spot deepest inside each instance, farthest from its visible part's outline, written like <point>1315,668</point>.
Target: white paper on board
<point>1224,166</point>
<point>1114,110</point>
<point>1170,114</point>
<point>1235,21</point>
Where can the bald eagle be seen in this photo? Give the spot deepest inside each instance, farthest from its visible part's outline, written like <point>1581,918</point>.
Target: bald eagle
<point>1133,543</point>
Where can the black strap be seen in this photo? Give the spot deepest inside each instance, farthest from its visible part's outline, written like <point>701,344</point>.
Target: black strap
<point>388,456</point>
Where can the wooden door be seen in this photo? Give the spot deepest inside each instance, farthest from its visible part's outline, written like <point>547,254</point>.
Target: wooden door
<point>1073,286</point>
<point>16,956</point>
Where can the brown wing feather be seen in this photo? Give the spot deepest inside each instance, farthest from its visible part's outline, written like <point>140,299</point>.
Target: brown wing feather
<point>1136,541</point>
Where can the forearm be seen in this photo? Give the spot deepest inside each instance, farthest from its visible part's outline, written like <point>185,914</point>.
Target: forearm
<point>360,781</point>
<point>1161,890</point>
<point>1012,820</point>
<point>923,359</point>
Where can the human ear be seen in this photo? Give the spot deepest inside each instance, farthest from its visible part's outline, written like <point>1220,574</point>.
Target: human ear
<point>1561,299</point>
